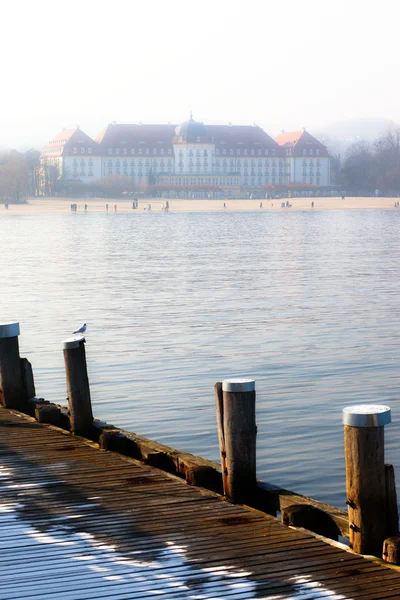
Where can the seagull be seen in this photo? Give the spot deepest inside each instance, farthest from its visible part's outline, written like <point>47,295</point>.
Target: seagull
<point>81,329</point>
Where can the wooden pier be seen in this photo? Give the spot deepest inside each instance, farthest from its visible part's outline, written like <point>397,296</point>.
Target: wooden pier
<point>78,522</point>
<point>89,511</point>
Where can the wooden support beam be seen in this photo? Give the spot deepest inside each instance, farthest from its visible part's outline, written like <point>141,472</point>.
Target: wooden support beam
<point>365,476</point>
<point>12,391</point>
<point>79,402</point>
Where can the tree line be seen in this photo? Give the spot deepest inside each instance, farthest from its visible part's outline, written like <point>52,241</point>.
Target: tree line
<point>19,174</point>
<point>373,167</point>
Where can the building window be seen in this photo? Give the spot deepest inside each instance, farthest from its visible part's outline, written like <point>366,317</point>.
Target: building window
<point>132,151</point>
<point>154,151</point>
<point>89,151</point>
<point>124,150</point>
<point>252,152</point>
<point>217,151</point>
<point>266,153</point>
<point>162,151</point>
<point>90,173</point>
<point>169,151</point>
<point>238,152</point>
<point>75,150</point>
<point>147,151</point>
<point>310,151</point>
<point>75,162</point>
<point>140,151</point>
<point>231,152</point>
<point>82,161</point>
<point>117,151</point>
<point>273,152</point>
<point>304,151</point>
<point>245,152</point>
<point>317,151</point>
<point>224,151</point>
<point>197,139</point>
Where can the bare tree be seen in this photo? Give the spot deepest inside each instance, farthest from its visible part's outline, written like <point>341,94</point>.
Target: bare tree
<point>12,176</point>
<point>32,171</point>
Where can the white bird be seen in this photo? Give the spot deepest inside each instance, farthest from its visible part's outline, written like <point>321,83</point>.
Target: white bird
<point>81,329</point>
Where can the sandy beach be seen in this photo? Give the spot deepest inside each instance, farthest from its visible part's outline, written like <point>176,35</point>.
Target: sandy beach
<point>62,205</point>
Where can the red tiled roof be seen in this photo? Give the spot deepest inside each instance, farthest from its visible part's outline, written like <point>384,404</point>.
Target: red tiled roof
<point>289,138</point>
<point>298,141</point>
<point>63,143</point>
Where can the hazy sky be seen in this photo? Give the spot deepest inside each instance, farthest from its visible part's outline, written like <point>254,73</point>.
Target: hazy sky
<point>282,64</point>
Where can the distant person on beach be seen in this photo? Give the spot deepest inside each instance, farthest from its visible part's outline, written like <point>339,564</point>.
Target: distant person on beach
<point>115,207</point>
<point>312,204</point>
<point>107,207</point>
<point>148,207</point>
<point>261,205</point>
<point>85,206</point>
<point>224,204</point>
<point>167,206</point>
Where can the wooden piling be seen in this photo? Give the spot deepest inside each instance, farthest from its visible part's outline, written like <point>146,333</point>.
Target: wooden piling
<point>365,476</point>
<point>12,391</point>
<point>79,402</point>
<point>235,400</point>
<point>391,509</point>
<point>391,550</point>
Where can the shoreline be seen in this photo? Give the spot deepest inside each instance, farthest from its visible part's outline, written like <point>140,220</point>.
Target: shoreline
<point>54,205</point>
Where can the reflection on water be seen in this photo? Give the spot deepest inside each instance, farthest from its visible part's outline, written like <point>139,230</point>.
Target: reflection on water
<point>304,303</point>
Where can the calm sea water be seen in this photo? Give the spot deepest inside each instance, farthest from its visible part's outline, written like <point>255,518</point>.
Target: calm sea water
<point>306,303</point>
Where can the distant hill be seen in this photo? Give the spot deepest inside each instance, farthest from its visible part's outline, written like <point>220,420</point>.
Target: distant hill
<point>340,135</point>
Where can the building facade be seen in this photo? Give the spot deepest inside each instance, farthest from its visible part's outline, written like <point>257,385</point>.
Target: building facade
<point>192,156</point>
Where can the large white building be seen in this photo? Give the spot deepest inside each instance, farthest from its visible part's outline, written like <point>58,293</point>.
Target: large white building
<point>192,156</point>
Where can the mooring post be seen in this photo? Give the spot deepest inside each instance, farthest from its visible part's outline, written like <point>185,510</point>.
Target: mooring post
<point>236,419</point>
<point>365,476</point>
<point>12,391</point>
<point>79,403</point>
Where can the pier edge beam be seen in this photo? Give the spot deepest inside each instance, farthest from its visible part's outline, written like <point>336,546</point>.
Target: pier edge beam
<point>365,476</point>
<point>78,390</point>
<point>12,390</point>
<point>236,418</point>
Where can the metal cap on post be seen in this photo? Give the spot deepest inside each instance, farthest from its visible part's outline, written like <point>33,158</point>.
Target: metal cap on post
<point>79,402</point>
<point>365,475</point>
<point>367,415</point>
<point>238,385</point>
<point>12,391</point>
<point>9,330</point>
<point>236,418</point>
